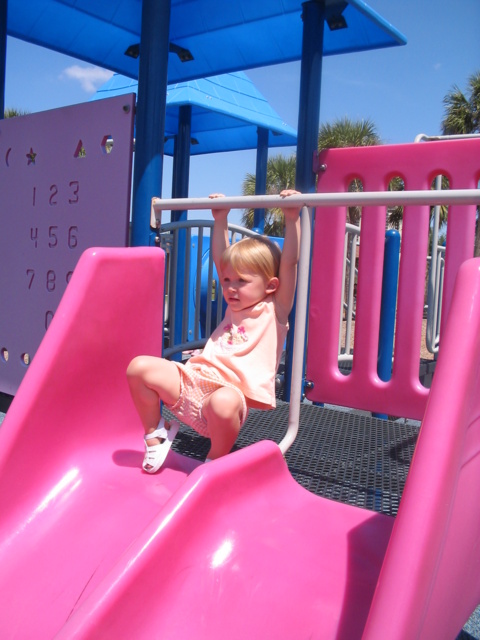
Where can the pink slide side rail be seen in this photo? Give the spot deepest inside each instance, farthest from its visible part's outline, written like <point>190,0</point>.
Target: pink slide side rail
<point>417,165</point>
<point>72,492</point>
<point>430,583</point>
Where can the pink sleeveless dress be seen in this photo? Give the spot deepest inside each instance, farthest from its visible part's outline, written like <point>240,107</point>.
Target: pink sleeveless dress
<point>245,349</point>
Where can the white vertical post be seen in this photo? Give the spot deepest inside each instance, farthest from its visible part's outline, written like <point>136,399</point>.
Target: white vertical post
<point>299,330</point>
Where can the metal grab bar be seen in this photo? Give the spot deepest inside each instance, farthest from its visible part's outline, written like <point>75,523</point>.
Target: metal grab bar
<point>423,137</point>
<point>352,242</point>
<point>300,330</point>
<point>365,198</point>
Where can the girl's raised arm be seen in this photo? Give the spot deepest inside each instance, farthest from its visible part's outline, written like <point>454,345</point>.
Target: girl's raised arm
<point>220,240</point>
<point>287,275</point>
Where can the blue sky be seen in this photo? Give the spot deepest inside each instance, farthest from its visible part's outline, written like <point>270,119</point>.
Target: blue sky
<point>400,89</point>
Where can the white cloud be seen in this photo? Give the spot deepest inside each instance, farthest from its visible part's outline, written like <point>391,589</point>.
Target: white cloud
<point>90,78</point>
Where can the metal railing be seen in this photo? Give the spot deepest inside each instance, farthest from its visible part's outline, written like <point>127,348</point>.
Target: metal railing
<point>189,322</point>
<point>352,243</point>
<point>437,257</point>
<point>435,281</point>
<point>347,199</point>
<point>433,303</point>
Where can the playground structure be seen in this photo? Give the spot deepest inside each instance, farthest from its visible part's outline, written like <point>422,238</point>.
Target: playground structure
<point>120,547</point>
<point>96,547</point>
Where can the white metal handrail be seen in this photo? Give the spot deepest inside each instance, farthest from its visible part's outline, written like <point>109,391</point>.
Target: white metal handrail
<point>434,298</point>
<point>423,137</point>
<point>352,241</point>
<point>348,199</point>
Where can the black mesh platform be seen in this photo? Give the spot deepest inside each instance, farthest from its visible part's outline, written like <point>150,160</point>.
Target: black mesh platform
<point>344,456</point>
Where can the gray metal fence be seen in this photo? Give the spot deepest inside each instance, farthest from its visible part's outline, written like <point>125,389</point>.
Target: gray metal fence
<point>190,320</point>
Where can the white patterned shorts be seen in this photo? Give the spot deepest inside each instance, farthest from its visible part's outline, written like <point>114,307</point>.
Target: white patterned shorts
<point>197,382</point>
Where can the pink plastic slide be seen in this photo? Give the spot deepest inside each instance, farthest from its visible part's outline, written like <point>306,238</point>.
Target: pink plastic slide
<point>92,547</point>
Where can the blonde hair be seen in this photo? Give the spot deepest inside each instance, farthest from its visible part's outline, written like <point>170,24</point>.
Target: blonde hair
<point>258,254</point>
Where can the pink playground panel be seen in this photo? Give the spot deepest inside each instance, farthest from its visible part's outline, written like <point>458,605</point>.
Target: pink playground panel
<point>417,165</point>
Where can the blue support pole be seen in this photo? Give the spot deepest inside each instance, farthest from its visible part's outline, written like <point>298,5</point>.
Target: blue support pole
<point>180,179</point>
<point>150,116</point>
<point>313,17</point>
<point>388,307</point>
<point>181,159</point>
<point>3,54</point>
<point>261,177</point>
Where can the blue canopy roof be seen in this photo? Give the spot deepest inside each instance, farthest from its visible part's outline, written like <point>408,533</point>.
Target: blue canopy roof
<point>226,112</point>
<point>240,35</point>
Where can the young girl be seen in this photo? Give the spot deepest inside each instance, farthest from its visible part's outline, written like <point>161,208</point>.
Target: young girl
<point>213,391</point>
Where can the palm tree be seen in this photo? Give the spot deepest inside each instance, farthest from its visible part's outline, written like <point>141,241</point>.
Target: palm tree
<point>11,112</point>
<point>280,175</point>
<point>281,170</point>
<point>349,133</point>
<point>462,111</point>
<point>462,116</point>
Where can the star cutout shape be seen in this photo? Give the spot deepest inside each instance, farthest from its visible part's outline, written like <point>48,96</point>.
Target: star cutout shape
<point>31,155</point>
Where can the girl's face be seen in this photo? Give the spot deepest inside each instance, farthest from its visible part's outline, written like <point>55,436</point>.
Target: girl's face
<point>245,290</point>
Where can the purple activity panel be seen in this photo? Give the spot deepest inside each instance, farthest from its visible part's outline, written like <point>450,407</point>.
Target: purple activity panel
<point>65,185</point>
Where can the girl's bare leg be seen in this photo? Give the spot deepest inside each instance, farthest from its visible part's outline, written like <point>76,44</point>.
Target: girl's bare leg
<point>152,380</point>
<point>222,410</point>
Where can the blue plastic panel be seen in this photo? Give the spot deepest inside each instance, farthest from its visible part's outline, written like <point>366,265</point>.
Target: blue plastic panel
<point>221,37</point>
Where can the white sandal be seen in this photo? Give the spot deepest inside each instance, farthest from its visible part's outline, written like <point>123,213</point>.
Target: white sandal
<point>155,454</point>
